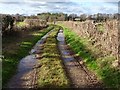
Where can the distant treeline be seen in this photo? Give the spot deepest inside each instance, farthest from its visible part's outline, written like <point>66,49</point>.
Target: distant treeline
<point>9,20</point>
<point>74,17</point>
<point>50,17</point>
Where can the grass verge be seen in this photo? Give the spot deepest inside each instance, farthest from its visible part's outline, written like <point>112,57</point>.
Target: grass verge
<point>100,65</point>
<point>13,56</point>
<point>51,73</point>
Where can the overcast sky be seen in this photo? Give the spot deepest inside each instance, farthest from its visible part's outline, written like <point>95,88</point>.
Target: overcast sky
<point>29,7</point>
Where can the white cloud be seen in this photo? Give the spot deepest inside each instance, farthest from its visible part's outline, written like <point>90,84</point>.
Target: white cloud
<point>50,0</point>
<point>75,6</point>
<point>76,0</point>
<point>95,0</point>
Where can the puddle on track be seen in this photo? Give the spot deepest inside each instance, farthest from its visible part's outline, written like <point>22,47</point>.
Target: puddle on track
<point>27,63</point>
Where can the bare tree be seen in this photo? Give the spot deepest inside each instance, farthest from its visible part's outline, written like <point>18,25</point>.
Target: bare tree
<point>83,17</point>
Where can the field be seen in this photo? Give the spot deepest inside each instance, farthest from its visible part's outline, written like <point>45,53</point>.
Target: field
<point>87,56</point>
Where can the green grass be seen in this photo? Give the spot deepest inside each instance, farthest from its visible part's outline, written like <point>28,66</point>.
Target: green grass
<point>52,74</point>
<point>100,65</point>
<point>21,24</point>
<point>100,27</point>
<point>12,57</point>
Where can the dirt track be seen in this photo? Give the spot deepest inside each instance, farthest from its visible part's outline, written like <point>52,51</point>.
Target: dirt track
<point>79,75</point>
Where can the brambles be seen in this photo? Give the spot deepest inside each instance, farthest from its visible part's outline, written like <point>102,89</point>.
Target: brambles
<point>12,24</point>
<point>103,36</point>
<point>35,22</point>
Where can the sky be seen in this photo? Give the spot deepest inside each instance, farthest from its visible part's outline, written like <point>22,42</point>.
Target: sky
<point>30,7</point>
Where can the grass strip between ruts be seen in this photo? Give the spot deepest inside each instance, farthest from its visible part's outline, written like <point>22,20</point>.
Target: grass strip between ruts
<point>51,73</point>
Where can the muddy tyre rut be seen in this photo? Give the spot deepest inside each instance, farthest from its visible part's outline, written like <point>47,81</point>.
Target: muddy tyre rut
<point>78,73</point>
